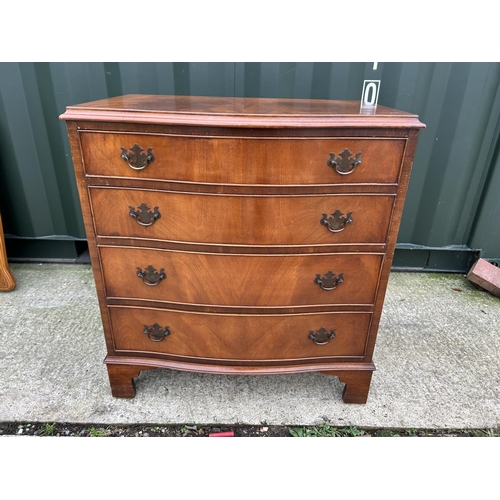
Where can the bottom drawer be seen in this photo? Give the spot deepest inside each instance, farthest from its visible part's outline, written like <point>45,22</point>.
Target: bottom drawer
<point>238,337</point>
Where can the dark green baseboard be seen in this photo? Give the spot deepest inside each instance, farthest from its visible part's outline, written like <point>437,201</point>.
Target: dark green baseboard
<point>407,257</point>
<point>450,259</point>
<point>44,249</point>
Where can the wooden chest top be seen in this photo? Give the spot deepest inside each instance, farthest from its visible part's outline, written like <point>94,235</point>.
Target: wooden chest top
<point>238,111</point>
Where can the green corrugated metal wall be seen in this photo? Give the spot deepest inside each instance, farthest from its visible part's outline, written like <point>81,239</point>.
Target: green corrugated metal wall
<point>452,206</point>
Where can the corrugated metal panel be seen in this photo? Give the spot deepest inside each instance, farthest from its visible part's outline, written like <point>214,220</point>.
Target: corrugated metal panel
<point>461,112</point>
<point>452,200</point>
<point>485,231</point>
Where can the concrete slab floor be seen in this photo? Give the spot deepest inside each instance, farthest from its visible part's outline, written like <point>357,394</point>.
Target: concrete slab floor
<point>437,358</point>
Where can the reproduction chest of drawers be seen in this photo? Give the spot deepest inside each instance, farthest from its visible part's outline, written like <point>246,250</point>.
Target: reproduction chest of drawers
<point>238,235</point>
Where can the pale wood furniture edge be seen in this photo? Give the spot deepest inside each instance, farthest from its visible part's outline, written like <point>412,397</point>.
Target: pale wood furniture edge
<point>7,280</point>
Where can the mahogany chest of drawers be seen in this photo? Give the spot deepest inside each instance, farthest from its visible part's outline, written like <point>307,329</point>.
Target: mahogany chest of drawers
<point>238,235</point>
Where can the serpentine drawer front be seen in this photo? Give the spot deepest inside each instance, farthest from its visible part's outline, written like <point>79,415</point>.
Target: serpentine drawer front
<point>241,219</point>
<point>239,160</point>
<point>255,337</point>
<point>240,279</point>
<point>238,235</point>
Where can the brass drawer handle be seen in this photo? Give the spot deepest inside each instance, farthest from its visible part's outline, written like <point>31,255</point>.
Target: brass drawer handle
<point>337,222</point>
<point>156,333</point>
<point>344,164</point>
<point>329,281</point>
<point>321,336</point>
<point>143,216</point>
<point>150,276</point>
<point>136,158</point>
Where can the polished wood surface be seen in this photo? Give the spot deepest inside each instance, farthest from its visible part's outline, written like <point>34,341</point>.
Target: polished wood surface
<point>242,186</point>
<point>241,220</point>
<point>243,160</point>
<point>252,337</point>
<point>121,379</point>
<point>240,280</point>
<point>239,112</point>
<point>7,280</point>
<point>357,384</point>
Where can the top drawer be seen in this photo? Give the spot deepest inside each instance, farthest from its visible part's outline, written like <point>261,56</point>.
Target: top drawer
<point>223,160</point>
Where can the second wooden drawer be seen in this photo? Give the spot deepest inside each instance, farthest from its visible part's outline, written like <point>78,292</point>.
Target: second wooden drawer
<point>241,219</point>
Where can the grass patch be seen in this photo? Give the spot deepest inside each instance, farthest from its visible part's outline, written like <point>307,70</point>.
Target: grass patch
<point>326,431</point>
<point>329,431</point>
<point>47,429</point>
<point>93,432</point>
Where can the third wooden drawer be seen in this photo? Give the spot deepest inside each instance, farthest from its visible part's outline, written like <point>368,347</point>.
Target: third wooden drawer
<point>240,280</point>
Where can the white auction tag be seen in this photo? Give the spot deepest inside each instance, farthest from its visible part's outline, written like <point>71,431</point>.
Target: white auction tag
<point>369,97</point>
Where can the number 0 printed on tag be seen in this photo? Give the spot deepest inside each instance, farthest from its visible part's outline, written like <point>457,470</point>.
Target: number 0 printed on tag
<point>369,97</point>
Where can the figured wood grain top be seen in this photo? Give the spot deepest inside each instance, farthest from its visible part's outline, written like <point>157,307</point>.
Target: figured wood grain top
<point>238,112</point>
